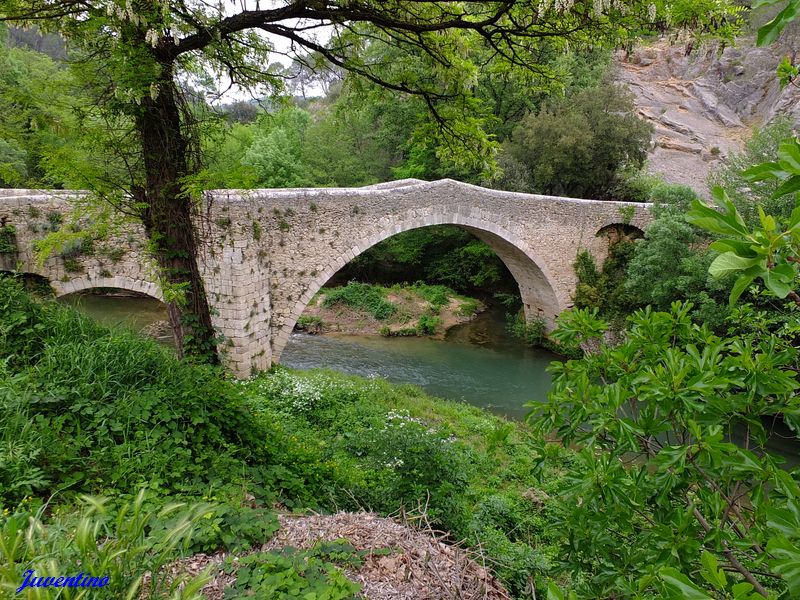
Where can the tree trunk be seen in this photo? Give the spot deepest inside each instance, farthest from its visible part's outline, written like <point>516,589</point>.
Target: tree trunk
<point>167,218</point>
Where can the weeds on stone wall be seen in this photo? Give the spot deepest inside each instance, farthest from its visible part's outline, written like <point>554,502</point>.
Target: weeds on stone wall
<point>8,239</point>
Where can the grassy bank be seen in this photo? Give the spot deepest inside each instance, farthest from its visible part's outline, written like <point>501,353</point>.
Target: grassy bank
<point>87,410</point>
<point>416,309</point>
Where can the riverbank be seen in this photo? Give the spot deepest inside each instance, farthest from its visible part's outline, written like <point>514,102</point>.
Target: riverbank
<point>397,311</point>
<point>115,413</point>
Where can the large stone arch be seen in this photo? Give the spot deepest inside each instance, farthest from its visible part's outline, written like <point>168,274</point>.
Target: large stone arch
<point>81,284</point>
<point>536,285</point>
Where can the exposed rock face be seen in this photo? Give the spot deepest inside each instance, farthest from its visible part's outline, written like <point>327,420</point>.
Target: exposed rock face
<point>705,105</point>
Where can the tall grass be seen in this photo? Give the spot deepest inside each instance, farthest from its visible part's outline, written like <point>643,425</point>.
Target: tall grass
<point>122,543</point>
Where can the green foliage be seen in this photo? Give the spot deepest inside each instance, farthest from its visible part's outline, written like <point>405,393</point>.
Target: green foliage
<point>313,574</point>
<point>747,192</point>
<point>671,198</point>
<point>276,152</point>
<point>445,255</point>
<point>768,252</point>
<point>581,145</point>
<point>437,295</point>
<point>309,324</point>
<point>121,542</point>
<point>670,263</point>
<point>770,31</point>
<point>8,239</point>
<point>361,296</point>
<point>427,324</point>
<point>387,447</point>
<point>82,407</point>
<point>656,497</point>
<point>605,289</point>
<point>534,333</point>
<point>35,116</point>
<point>234,529</point>
<point>13,170</point>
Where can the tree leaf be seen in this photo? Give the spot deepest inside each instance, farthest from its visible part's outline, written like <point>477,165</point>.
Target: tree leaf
<point>789,150</point>
<point>783,520</point>
<point>740,247</point>
<point>711,571</point>
<point>789,186</point>
<point>678,586</point>
<point>770,31</point>
<point>785,561</point>
<point>768,170</point>
<point>740,286</point>
<point>730,262</point>
<point>710,219</point>
<point>776,284</point>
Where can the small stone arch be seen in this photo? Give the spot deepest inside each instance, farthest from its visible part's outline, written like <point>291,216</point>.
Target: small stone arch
<point>538,288</point>
<point>32,281</point>
<point>616,232</point>
<point>120,282</point>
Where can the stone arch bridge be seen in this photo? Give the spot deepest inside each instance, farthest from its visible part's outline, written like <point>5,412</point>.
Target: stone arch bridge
<point>265,253</point>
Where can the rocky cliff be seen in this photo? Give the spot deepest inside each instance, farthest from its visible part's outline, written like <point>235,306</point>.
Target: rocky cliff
<point>704,105</point>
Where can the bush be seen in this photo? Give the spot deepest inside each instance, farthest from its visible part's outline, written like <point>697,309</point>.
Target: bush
<point>292,573</point>
<point>427,324</point>
<point>671,263</point>
<point>362,296</point>
<point>437,295</point>
<point>747,195</point>
<point>8,239</point>
<point>310,324</point>
<point>659,492</point>
<point>606,289</point>
<point>94,410</point>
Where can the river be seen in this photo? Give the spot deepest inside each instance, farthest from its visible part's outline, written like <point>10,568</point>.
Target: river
<point>477,362</point>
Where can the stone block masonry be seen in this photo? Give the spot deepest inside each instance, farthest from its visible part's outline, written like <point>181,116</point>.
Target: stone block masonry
<point>265,253</point>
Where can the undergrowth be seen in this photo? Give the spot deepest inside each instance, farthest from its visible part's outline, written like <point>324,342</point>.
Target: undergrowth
<point>88,410</point>
<point>362,296</point>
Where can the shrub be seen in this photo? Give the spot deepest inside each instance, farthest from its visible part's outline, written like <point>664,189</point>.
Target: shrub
<point>406,462</point>
<point>8,239</point>
<point>437,295</point>
<point>659,492</point>
<point>606,289</point>
<point>291,573</point>
<point>427,324</point>
<point>362,296</point>
<point>310,324</point>
<point>110,410</point>
<point>747,194</point>
<point>469,307</point>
